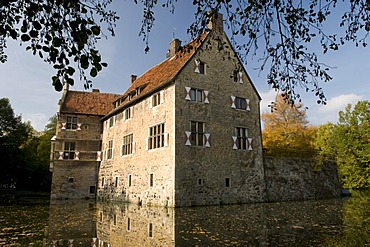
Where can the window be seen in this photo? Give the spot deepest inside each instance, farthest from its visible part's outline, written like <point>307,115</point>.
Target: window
<point>129,180</point>
<point>150,230</point>
<point>128,144</point>
<point>110,150</point>
<point>69,150</point>
<point>128,224</point>
<point>241,141</point>
<point>71,123</point>
<point>200,181</point>
<point>227,182</point>
<point>111,122</point>
<point>197,133</point>
<point>199,67</point>
<point>197,95</point>
<point>71,179</point>
<point>240,103</point>
<point>156,99</point>
<point>151,179</point>
<point>197,136</point>
<point>156,136</point>
<point>127,114</point>
<point>116,182</point>
<point>102,182</point>
<point>92,189</point>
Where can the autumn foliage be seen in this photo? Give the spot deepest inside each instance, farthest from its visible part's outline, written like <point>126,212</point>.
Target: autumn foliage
<point>287,132</point>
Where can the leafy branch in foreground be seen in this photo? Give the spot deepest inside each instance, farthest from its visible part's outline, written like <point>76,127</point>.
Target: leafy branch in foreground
<point>277,32</point>
<point>62,32</point>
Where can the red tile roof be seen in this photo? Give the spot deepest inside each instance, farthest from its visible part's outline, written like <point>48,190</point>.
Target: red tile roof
<point>162,73</point>
<point>91,103</point>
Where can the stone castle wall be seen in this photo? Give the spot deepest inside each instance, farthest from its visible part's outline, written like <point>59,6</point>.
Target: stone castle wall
<point>142,162</point>
<point>295,179</point>
<point>76,178</point>
<point>201,172</point>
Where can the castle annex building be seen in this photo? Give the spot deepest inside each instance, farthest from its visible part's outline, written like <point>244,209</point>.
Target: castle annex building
<point>187,132</point>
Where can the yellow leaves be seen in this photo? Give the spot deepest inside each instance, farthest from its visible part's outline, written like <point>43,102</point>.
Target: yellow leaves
<point>286,131</point>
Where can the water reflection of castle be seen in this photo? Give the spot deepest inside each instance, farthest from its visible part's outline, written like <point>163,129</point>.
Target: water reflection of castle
<point>84,223</point>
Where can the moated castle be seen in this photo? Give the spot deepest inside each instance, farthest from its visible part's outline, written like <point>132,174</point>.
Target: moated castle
<point>187,132</point>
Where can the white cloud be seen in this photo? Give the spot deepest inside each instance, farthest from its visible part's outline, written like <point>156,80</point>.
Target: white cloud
<point>267,98</point>
<point>338,103</point>
<point>329,112</point>
<point>38,120</point>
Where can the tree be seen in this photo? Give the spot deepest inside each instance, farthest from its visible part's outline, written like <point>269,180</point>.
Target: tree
<point>62,32</point>
<point>66,31</point>
<point>43,149</point>
<point>286,130</point>
<point>13,135</point>
<point>348,142</point>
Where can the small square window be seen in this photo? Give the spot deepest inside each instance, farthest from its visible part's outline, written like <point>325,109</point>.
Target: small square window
<point>200,181</point>
<point>227,182</point>
<point>71,179</point>
<point>92,189</point>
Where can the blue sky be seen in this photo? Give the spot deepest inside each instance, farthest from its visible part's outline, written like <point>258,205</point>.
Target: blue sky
<point>26,80</point>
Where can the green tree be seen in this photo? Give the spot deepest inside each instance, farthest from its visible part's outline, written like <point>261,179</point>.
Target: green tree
<point>64,33</point>
<point>13,135</point>
<point>37,176</point>
<point>43,149</point>
<point>348,142</point>
<point>286,130</point>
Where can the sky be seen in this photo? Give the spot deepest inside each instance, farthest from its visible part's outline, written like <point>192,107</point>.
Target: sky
<point>26,79</point>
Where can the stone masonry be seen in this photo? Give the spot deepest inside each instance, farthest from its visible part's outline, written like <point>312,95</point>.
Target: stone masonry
<point>185,133</point>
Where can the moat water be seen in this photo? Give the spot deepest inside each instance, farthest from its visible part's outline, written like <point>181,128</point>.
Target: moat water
<point>336,222</point>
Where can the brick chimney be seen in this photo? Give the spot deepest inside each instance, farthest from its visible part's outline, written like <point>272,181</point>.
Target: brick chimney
<point>175,45</point>
<point>215,22</point>
<point>133,78</point>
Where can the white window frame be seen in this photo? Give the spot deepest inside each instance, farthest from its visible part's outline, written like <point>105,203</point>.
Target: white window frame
<point>128,113</point>
<point>110,149</point>
<point>157,137</point>
<point>128,145</point>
